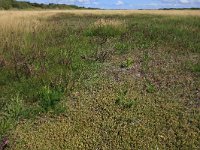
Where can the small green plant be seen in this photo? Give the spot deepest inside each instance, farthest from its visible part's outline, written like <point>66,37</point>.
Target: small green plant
<point>127,63</point>
<point>49,97</point>
<point>123,101</point>
<point>11,113</point>
<point>122,48</point>
<point>191,66</point>
<point>121,97</point>
<point>6,124</point>
<point>196,68</point>
<point>150,88</point>
<point>129,103</point>
<point>145,60</point>
<point>15,107</point>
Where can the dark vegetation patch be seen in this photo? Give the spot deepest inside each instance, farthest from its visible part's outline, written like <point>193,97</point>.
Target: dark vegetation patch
<point>13,4</point>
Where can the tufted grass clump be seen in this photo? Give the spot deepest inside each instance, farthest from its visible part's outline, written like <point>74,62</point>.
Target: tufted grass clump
<point>49,97</point>
<point>128,63</point>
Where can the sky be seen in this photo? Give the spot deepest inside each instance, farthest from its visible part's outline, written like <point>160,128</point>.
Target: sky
<point>126,4</point>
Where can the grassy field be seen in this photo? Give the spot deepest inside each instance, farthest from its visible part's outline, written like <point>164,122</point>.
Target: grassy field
<point>96,79</point>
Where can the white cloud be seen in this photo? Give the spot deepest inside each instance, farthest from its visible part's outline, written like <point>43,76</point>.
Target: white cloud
<point>182,1</point>
<point>81,1</point>
<point>119,2</point>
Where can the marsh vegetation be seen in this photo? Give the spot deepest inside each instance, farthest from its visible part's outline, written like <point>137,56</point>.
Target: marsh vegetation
<point>99,81</point>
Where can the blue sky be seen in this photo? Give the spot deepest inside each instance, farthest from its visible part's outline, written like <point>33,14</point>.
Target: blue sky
<point>126,4</point>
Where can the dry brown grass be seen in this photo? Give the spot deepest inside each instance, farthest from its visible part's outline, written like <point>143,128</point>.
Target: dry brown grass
<point>18,21</point>
<point>129,12</point>
<point>111,22</point>
<point>26,20</point>
<point>100,12</point>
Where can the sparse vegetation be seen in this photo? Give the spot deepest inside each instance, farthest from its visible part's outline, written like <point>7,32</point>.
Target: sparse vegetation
<point>123,101</point>
<point>127,63</point>
<point>196,68</point>
<point>99,81</point>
